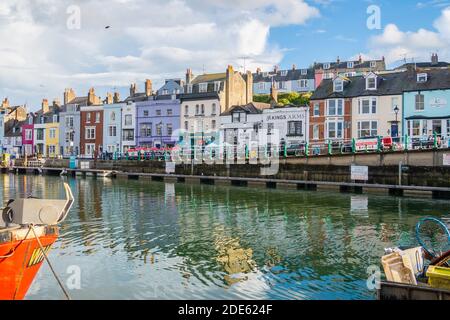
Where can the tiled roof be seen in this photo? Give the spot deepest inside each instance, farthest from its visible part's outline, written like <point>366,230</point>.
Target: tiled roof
<point>250,108</point>
<point>283,75</point>
<point>212,77</point>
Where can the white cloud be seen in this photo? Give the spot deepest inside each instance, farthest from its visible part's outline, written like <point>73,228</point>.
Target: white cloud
<point>157,39</point>
<point>396,44</point>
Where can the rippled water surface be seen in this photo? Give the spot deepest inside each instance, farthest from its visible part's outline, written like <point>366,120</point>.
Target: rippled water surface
<point>154,240</point>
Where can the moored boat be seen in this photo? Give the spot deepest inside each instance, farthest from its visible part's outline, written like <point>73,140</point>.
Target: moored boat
<point>28,229</point>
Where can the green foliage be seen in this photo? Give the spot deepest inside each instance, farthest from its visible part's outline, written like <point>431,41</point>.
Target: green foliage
<point>295,98</point>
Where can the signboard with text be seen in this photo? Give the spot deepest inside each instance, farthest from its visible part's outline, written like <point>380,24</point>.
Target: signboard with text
<point>446,160</point>
<point>360,173</point>
<point>170,167</point>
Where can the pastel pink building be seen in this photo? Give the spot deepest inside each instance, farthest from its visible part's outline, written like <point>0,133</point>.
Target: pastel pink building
<point>28,136</point>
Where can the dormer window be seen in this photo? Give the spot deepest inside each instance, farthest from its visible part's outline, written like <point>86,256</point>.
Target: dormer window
<point>203,87</point>
<point>304,72</point>
<point>422,77</point>
<point>217,86</point>
<point>373,64</point>
<point>350,65</point>
<point>189,88</point>
<point>326,66</point>
<point>338,85</point>
<point>284,73</point>
<point>371,83</point>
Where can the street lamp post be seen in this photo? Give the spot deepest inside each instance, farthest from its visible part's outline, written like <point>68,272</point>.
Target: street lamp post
<point>396,110</point>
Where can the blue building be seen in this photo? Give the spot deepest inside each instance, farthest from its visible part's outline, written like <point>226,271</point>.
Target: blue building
<point>171,86</point>
<point>426,104</point>
<point>112,127</point>
<point>286,81</point>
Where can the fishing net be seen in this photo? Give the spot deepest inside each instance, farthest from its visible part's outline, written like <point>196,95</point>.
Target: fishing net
<point>434,236</point>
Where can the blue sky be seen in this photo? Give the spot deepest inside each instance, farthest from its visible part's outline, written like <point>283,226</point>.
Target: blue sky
<point>50,45</point>
<point>341,29</point>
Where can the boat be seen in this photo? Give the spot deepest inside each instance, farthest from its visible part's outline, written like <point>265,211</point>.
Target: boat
<point>420,273</point>
<point>28,229</point>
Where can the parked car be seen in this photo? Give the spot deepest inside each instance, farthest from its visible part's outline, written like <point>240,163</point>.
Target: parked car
<point>296,150</point>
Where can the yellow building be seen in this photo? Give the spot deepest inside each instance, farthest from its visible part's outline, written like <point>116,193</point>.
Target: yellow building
<point>52,139</point>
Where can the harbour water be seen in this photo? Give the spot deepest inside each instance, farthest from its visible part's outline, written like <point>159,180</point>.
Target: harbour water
<point>130,239</point>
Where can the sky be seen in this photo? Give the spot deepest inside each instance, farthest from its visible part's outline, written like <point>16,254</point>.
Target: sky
<point>49,45</point>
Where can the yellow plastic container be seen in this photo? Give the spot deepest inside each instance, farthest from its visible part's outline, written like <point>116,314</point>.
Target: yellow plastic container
<point>439,277</point>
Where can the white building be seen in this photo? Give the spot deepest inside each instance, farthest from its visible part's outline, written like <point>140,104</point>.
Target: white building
<point>128,126</point>
<point>290,123</point>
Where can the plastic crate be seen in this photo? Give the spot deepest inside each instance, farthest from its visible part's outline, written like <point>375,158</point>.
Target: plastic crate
<point>439,277</point>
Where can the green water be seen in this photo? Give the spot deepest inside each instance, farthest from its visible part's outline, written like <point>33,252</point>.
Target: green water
<point>154,240</point>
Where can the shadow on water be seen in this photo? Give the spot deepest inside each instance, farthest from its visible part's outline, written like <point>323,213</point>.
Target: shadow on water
<point>143,239</point>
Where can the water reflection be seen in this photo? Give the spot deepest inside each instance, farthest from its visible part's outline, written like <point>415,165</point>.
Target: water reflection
<point>143,239</point>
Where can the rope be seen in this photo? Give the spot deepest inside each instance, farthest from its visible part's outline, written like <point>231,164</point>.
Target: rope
<point>50,265</point>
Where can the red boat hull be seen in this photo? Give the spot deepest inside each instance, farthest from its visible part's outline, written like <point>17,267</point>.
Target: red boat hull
<point>21,259</point>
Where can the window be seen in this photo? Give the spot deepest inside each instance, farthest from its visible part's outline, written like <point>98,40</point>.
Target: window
<point>165,92</point>
<point>303,83</point>
<point>97,117</point>
<point>42,120</point>
<point>186,125</point>
<point>338,85</point>
<point>373,64</point>
<point>284,73</point>
<point>316,132</point>
<point>326,66</point>
<point>159,129</point>
<point>203,87</point>
<point>350,65</point>
<point>146,130</point>
<point>69,121</point>
<point>328,75</point>
<point>437,127</point>
<point>129,120</point>
<point>197,110</point>
<point>414,127</point>
<point>335,107</point>
<point>128,135</point>
<point>90,149</point>
<point>203,109</point>
<point>420,102</point>
<point>145,113</point>
<point>112,131</point>
<point>113,116</point>
<point>282,85</point>
<point>371,83</point>
<point>316,110</point>
<point>335,130</point>
<point>40,134</point>
<point>169,112</point>
<point>422,77</point>
<point>213,124</point>
<point>367,129</point>
<point>186,110</point>
<point>217,86</point>
<point>448,128</point>
<point>90,133</point>
<point>239,117</point>
<point>55,118</point>
<point>158,112</point>
<point>367,106</point>
<point>189,88</point>
<point>169,129</point>
<point>270,127</point>
<point>88,117</point>
<point>295,128</point>
<point>350,74</point>
<point>304,72</point>
<point>261,85</point>
<point>51,149</point>
<point>52,133</point>
<point>28,134</point>
<point>213,111</point>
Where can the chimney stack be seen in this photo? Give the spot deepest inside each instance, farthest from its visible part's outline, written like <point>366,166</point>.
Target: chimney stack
<point>434,59</point>
<point>5,104</point>
<point>148,88</point>
<point>109,98</point>
<point>189,76</point>
<point>338,60</point>
<point>45,107</point>
<point>275,69</point>
<point>69,95</point>
<point>116,98</point>
<point>133,90</point>
<point>294,67</point>
<point>258,70</point>
<point>360,60</point>
<point>56,103</point>
<point>91,97</point>
<point>273,95</point>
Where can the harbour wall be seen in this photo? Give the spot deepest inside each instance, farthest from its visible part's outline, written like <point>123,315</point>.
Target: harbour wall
<point>420,168</point>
